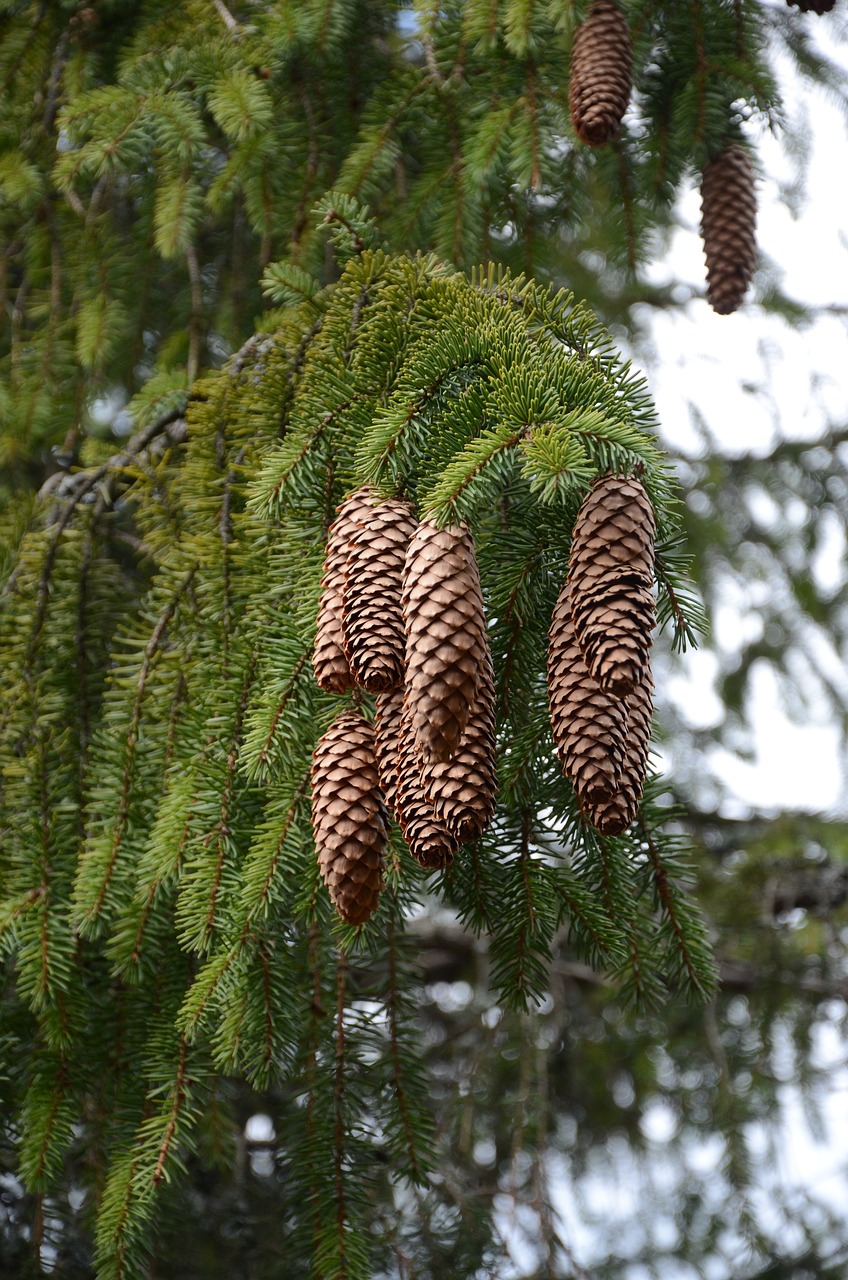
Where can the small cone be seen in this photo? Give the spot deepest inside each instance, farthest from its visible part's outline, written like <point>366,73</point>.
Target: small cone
<point>348,816</point>
<point>372,619</point>
<point>462,790</point>
<point>813,6</point>
<point>328,660</point>
<point>610,575</point>
<point>600,74</point>
<point>615,815</point>
<point>728,228</point>
<point>445,636</point>
<point>589,725</point>
<point>430,842</point>
<point>387,727</point>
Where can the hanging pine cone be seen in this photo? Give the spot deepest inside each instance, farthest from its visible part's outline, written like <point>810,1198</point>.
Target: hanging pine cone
<point>348,816</point>
<point>813,6</point>
<point>589,725</point>
<point>615,815</point>
<point>328,660</point>
<point>728,227</point>
<point>600,74</point>
<point>462,790</point>
<point>430,842</point>
<point>445,636</point>
<point>387,727</point>
<point>610,574</point>
<point>372,619</point>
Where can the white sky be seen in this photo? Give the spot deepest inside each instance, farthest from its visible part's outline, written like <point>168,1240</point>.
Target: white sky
<point>712,361</point>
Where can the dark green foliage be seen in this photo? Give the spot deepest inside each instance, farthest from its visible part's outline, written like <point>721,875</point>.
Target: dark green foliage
<point>171,962</point>
<point>162,714</point>
<point>154,161</point>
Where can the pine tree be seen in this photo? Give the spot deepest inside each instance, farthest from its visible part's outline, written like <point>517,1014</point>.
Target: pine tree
<point>177,845</point>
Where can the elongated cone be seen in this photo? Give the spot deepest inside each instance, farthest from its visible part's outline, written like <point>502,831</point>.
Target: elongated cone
<point>372,618</point>
<point>589,725</point>
<point>610,574</point>
<point>430,842</point>
<point>600,74</point>
<point>728,227</point>
<point>462,790</point>
<point>813,6</point>
<point>348,816</point>
<point>328,660</point>
<point>615,815</point>
<point>445,636</point>
<point>387,728</point>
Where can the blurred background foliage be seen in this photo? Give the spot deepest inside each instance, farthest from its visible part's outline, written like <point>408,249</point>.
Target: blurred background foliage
<point>155,161</point>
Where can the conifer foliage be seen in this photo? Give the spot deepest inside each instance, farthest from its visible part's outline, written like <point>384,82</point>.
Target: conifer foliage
<point>154,160</point>
<point>181,791</point>
<point>335,630</point>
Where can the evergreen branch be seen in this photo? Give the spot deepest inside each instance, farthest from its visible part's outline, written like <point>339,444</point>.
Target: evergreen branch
<point>339,1138</point>
<point>282,702</point>
<point>221,829</point>
<point>701,976</point>
<point>90,912</point>
<point>179,1097</point>
<point>333,215</point>
<point>254,901</point>
<point>461,474</point>
<point>394,1042</point>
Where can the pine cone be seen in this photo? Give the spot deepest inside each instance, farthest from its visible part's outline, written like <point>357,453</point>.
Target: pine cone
<point>372,619</point>
<point>615,815</point>
<point>387,727</point>
<point>445,636</point>
<point>589,725</point>
<point>348,816</point>
<point>600,74</point>
<point>462,790</point>
<point>328,660</point>
<point>814,6</point>
<point>610,574</point>
<point>728,227</point>
<point>430,842</point>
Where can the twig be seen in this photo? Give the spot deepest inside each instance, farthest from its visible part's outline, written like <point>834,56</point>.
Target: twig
<point>227,18</point>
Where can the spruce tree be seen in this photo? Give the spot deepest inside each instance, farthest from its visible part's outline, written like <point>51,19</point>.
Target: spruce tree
<point>170,727</point>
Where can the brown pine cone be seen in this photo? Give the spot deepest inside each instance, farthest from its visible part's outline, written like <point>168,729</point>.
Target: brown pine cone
<point>387,727</point>
<point>328,660</point>
<point>610,575</point>
<point>589,725</point>
<point>349,817</point>
<point>728,227</point>
<point>445,636</point>
<point>462,790</point>
<point>372,618</point>
<point>600,74</point>
<point>813,6</point>
<point>615,815</point>
<point>430,842</point>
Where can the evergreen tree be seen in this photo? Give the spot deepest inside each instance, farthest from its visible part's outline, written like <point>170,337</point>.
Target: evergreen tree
<point>172,953</point>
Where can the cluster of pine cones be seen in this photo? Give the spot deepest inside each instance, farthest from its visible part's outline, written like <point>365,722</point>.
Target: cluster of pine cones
<point>401,616</point>
<point>598,96</point>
